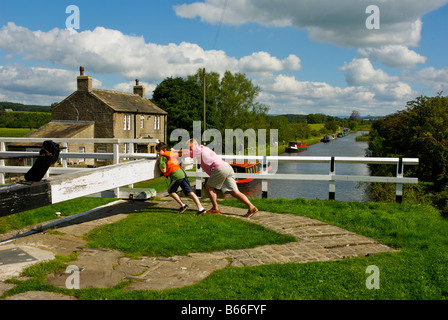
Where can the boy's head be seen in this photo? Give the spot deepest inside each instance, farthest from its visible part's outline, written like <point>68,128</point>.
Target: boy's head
<point>161,147</point>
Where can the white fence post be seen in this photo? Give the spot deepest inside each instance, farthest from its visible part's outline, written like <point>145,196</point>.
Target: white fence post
<point>198,180</point>
<point>116,160</point>
<point>2,162</point>
<point>332,183</point>
<point>264,182</point>
<point>399,186</point>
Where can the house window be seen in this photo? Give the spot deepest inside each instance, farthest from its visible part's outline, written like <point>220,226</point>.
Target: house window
<point>156,122</point>
<point>127,122</point>
<point>125,149</point>
<point>142,120</point>
<point>101,150</point>
<point>81,150</point>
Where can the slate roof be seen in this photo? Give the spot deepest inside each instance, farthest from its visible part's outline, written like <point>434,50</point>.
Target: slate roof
<point>127,102</point>
<point>55,129</point>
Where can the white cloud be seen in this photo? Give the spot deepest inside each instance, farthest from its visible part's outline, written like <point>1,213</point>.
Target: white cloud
<point>393,56</point>
<point>360,71</point>
<point>129,87</point>
<point>286,94</point>
<point>37,80</point>
<point>110,51</point>
<point>398,91</point>
<point>341,23</point>
<point>264,62</point>
<point>37,85</point>
<point>436,79</point>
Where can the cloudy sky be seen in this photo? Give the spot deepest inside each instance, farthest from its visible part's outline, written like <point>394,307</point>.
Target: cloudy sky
<point>307,56</point>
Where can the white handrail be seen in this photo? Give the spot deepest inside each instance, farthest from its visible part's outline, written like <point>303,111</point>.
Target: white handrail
<point>332,177</point>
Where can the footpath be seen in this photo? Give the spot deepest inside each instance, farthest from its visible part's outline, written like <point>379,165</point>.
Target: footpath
<point>102,268</point>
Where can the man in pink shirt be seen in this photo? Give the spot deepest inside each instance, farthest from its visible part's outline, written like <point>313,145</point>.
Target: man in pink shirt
<point>222,176</point>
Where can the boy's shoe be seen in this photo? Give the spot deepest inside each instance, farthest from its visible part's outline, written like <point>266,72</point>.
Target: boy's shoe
<point>183,208</point>
<point>250,213</point>
<point>200,212</point>
<point>213,211</point>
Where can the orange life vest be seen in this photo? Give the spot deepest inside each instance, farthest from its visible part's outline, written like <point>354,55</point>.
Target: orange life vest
<point>172,163</point>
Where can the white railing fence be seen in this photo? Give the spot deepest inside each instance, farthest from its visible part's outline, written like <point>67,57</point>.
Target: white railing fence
<point>115,156</point>
<point>331,177</point>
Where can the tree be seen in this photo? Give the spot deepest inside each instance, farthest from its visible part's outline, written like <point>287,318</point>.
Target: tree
<point>419,131</point>
<point>231,101</point>
<point>355,116</point>
<point>182,99</point>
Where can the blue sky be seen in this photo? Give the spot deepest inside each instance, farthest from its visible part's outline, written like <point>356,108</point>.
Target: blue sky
<point>307,56</point>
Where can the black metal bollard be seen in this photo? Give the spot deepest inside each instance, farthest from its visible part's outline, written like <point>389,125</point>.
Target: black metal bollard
<point>48,155</point>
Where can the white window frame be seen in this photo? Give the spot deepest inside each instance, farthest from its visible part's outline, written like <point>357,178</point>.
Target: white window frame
<point>101,150</point>
<point>156,122</point>
<point>82,150</point>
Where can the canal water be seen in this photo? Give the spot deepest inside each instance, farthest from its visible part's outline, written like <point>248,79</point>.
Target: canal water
<point>345,190</point>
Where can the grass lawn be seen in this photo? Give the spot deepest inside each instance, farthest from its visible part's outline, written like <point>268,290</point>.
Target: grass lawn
<point>419,271</point>
<point>15,132</point>
<point>47,213</point>
<point>155,232</point>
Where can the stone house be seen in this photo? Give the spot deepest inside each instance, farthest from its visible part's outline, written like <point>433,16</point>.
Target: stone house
<point>97,113</point>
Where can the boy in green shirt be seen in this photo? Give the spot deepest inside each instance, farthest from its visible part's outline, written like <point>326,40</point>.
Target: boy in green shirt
<point>171,168</point>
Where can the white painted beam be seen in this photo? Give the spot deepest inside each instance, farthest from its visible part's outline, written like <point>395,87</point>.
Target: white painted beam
<point>79,184</point>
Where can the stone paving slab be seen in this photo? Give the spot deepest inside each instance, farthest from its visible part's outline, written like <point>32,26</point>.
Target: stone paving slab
<point>102,268</point>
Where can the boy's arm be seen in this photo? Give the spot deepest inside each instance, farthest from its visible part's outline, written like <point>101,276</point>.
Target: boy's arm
<point>162,164</point>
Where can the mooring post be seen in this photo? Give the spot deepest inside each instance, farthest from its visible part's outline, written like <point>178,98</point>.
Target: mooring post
<point>2,162</point>
<point>264,182</point>
<point>399,186</point>
<point>198,181</point>
<point>332,183</point>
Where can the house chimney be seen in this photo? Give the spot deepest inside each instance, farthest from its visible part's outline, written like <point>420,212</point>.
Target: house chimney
<point>84,82</point>
<point>138,89</point>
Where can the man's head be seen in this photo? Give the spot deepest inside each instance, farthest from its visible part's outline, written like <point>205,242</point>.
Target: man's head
<point>192,144</point>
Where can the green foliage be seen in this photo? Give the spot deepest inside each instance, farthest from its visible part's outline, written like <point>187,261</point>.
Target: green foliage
<point>230,102</point>
<point>21,119</point>
<point>420,131</point>
<point>182,99</point>
<point>22,107</point>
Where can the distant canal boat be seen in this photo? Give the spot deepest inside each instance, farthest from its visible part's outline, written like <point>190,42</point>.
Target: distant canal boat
<point>296,147</point>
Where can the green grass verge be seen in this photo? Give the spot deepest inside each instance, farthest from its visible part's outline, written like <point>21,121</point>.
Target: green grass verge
<point>153,232</point>
<point>47,213</point>
<point>419,271</point>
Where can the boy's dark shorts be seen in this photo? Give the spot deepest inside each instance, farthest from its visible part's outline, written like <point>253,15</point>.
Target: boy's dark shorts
<point>183,183</point>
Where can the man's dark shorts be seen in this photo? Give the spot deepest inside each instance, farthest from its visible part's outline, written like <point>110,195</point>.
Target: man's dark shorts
<point>183,183</point>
